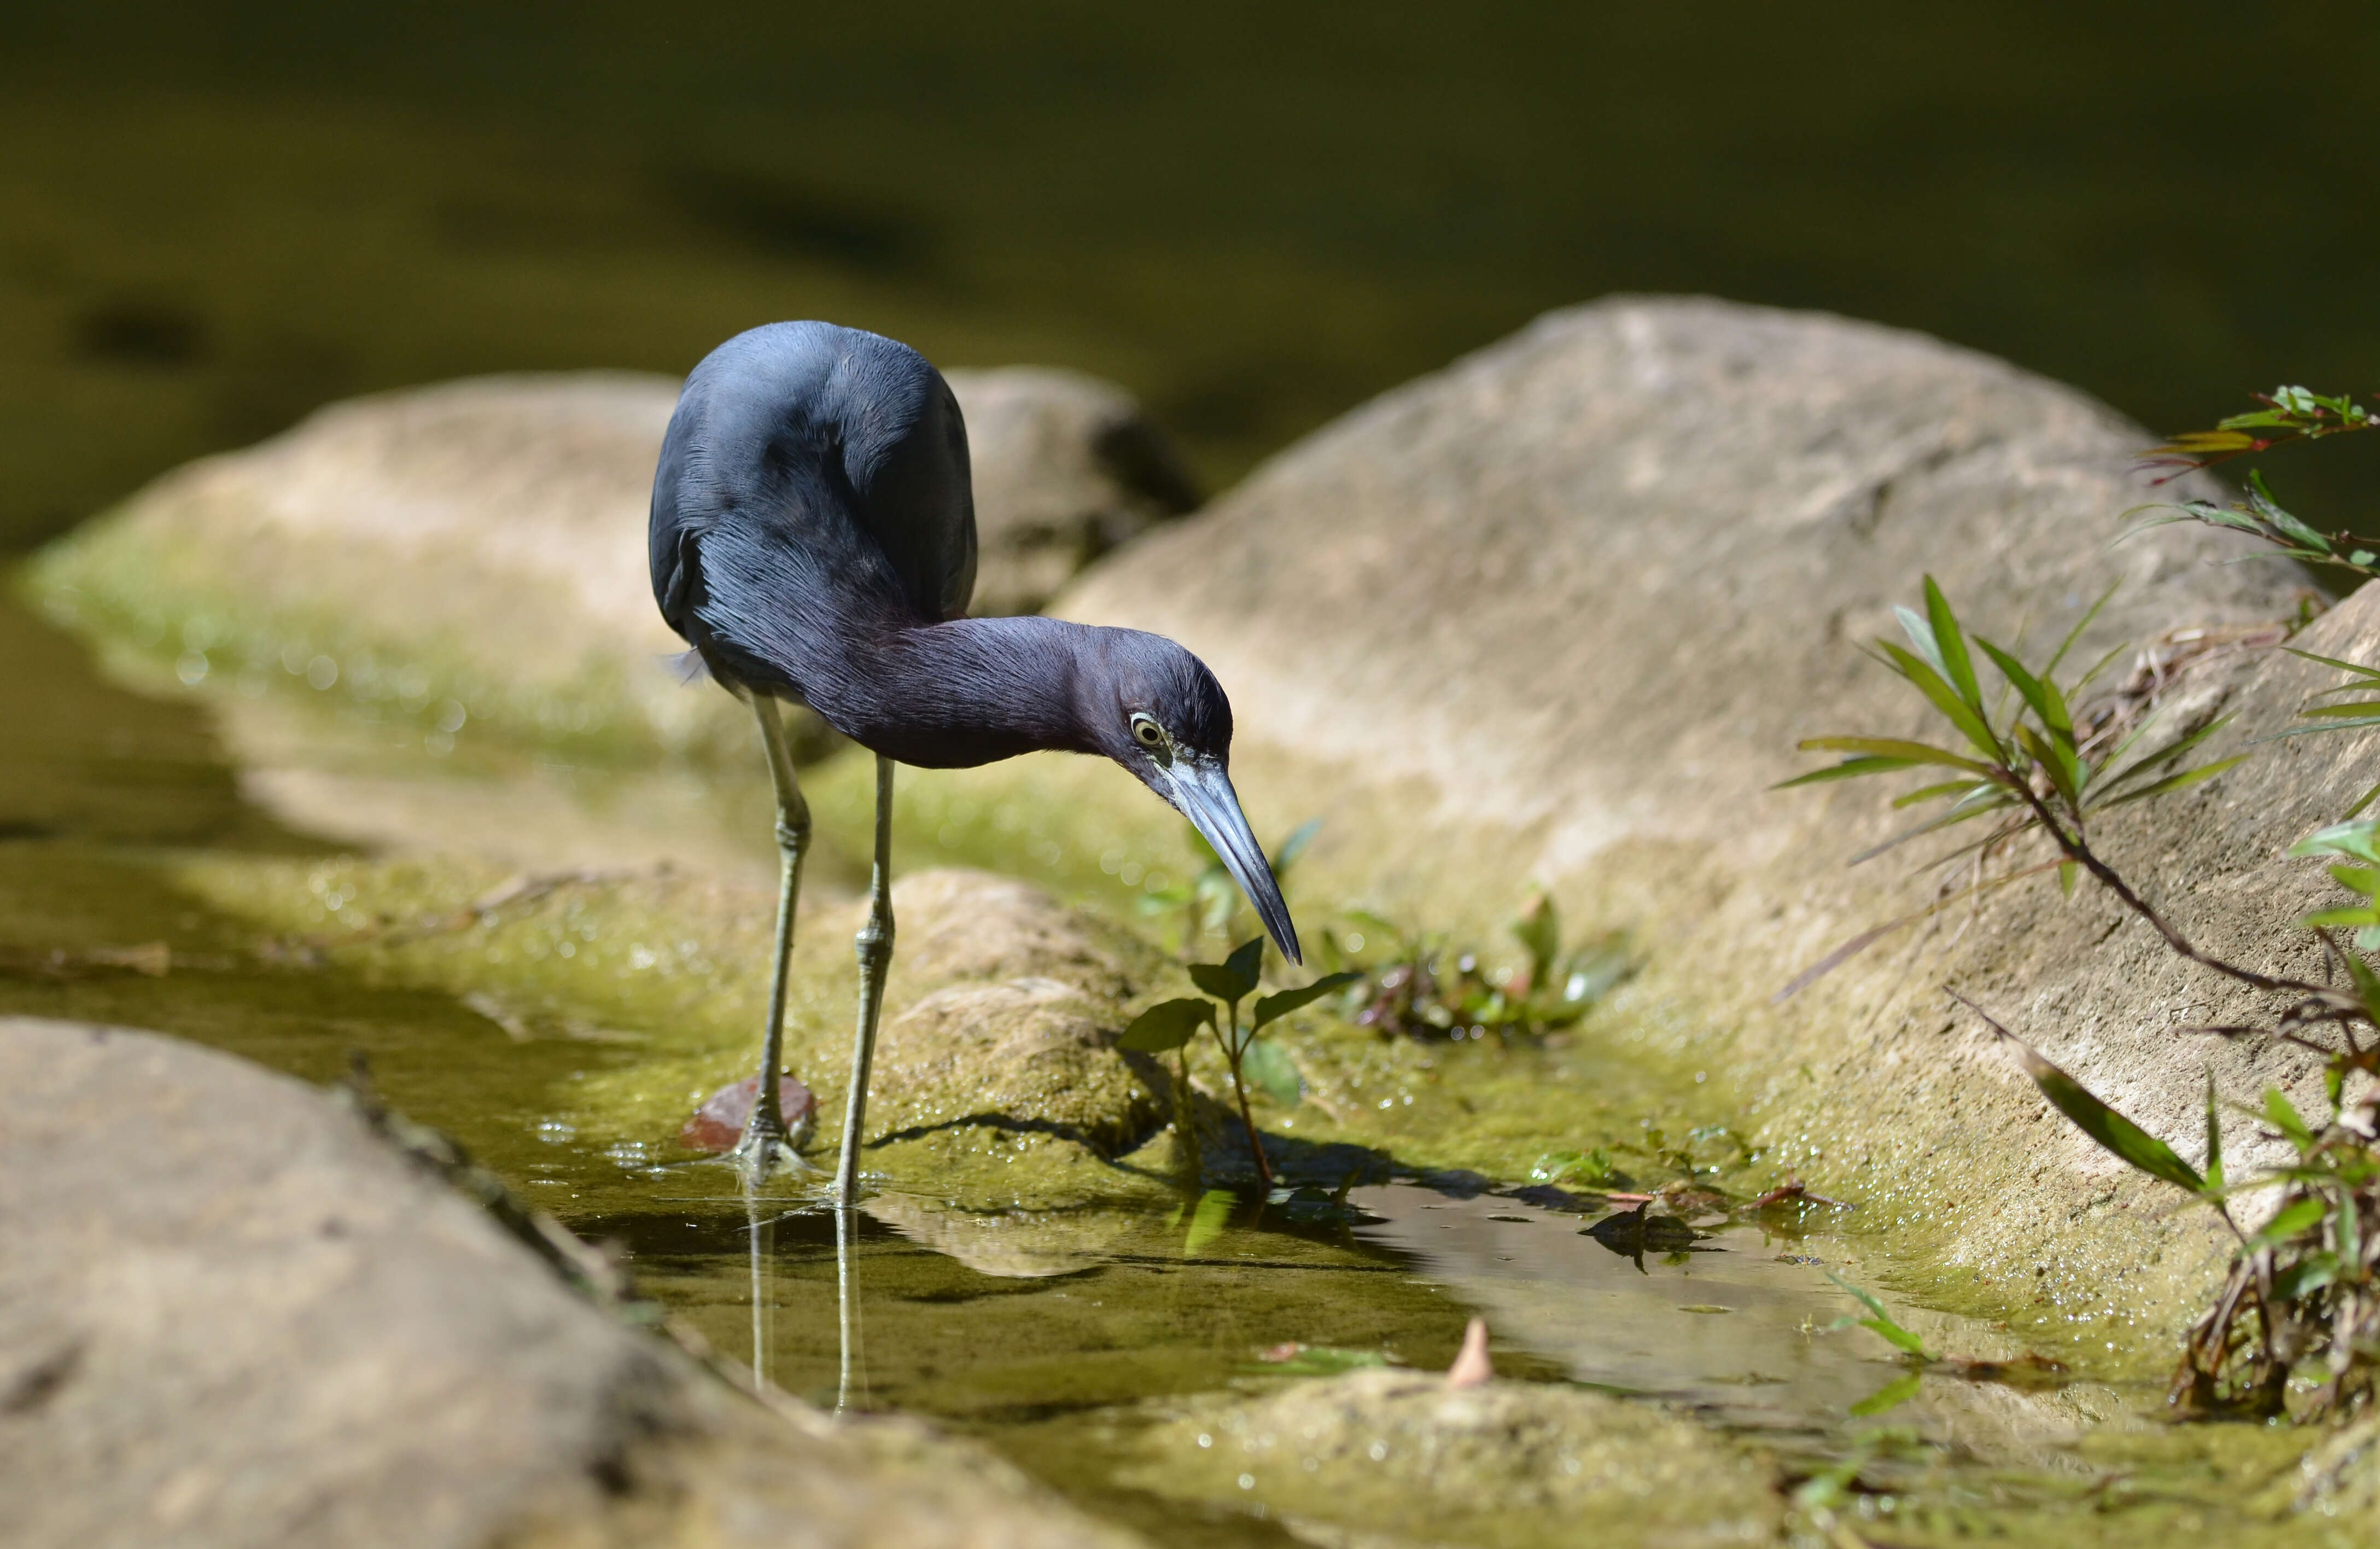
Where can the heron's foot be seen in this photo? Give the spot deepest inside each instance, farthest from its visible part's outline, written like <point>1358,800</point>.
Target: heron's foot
<point>764,1148</point>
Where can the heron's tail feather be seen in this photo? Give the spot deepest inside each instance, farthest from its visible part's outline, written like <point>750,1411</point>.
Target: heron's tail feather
<point>688,666</point>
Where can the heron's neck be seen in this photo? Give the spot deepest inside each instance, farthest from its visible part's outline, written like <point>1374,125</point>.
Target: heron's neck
<point>950,696</point>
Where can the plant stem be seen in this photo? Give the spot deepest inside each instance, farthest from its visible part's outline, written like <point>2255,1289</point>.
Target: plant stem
<point>1185,1116</point>
<point>2076,851</point>
<point>1235,1049</point>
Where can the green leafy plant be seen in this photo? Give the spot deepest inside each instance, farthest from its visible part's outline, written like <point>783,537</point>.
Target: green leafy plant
<point>2301,1287</point>
<point>2341,714</point>
<point>2026,760</point>
<point>1169,1026</point>
<point>1425,989</point>
<point>2289,414</point>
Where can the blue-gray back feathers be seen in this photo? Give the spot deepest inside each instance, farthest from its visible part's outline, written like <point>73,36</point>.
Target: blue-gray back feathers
<point>805,447</point>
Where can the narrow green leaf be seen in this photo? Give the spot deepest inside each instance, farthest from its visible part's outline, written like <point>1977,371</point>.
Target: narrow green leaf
<point>1934,824</point>
<point>1970,723</point>
<point>1950,645</point>
<point>2306,1276</point>
<point>1273,1007</point>
<point>1891,1396</point>
<point>2323,918</point>
<point>1881,1320</point>
<point>2172,753</point>
<point>1294,845</point>
<point>2076,633</point>
<point>2119,1135</point>
<point>2270,510</point>
<point>1268,1065</point>
<point>1207,1222</point>
<point>2172,782</point>
<point>1895,748</point>
<point>2360,841</point>
<point>2289,1222</point>
<point>2048,704</point>
<point>2357,879</point>
<point>1850,769</point>
<point>2340,711</point>
<point>2057,764</point>
<point>1167,1025</point>
<point>2357,668</point>
<point>1539,933</point>
<point>2214,1140</point>
<point>2068,872</point>
<point>2322,726</point>
<point>2284,1116</point>
<point>1921,636</point>
<point>1948,787</point>
<point>2365,800</point>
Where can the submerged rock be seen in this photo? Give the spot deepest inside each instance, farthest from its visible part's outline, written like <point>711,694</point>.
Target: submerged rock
<point>1400,1457</point>
<point>473,552</point>
<point>997,1084</point>
<point>232,1315</point>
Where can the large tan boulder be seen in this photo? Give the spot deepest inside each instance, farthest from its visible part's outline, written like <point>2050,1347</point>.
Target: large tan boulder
<point>231,1315</point>
<point>1557,615</point>
<point>474,551</point>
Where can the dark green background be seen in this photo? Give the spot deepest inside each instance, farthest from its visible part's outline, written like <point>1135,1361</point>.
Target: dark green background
<point>213,218</point>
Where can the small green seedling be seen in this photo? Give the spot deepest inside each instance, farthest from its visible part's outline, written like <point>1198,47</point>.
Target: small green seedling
<point>1170,1024</point>
<point>1878,1321</point>
<point>1210,901</point>
<point>1424,988</point>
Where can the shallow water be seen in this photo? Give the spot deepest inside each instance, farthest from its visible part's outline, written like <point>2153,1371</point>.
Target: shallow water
<point>1061,1336</point>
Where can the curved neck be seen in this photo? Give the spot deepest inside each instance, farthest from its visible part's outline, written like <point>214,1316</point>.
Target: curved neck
<point>951,696</point>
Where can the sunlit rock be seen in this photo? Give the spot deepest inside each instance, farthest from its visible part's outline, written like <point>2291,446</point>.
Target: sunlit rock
<point>1067,467</point>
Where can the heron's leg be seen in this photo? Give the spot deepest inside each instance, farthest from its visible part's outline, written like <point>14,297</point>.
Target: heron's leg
<point>875,957</point>
<point>846,1304</point>
<point>764,1132</point>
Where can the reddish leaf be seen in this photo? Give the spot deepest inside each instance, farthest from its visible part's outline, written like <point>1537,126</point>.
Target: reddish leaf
<point>718,1123</point>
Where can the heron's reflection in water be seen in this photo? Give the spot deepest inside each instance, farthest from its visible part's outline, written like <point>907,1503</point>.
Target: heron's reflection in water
<point>760,1223</point>
<point>846,1289</point>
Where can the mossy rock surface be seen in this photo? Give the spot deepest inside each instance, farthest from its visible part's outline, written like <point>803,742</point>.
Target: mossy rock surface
<point>999,1084</point>
<point>1393,1458</point>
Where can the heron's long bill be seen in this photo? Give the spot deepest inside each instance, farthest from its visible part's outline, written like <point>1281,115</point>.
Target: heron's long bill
<point>1203,793</point>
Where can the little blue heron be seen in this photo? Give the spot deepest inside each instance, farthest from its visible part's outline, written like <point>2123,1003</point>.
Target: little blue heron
<point>813,539</point>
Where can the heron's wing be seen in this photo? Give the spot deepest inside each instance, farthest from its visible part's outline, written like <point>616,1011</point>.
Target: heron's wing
<point>917,502</point>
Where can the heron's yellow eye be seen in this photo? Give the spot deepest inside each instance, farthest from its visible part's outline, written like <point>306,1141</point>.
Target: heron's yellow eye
<point>1147,732</point>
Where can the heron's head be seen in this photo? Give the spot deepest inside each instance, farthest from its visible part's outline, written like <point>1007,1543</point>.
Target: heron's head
<point>1155,709</point>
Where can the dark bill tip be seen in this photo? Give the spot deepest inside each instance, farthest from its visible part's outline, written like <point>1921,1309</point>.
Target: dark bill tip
<point>1205,795</point>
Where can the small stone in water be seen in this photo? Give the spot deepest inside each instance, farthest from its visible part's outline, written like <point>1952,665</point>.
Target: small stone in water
<point>1472,1366</point>
<point>718,1123</point>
